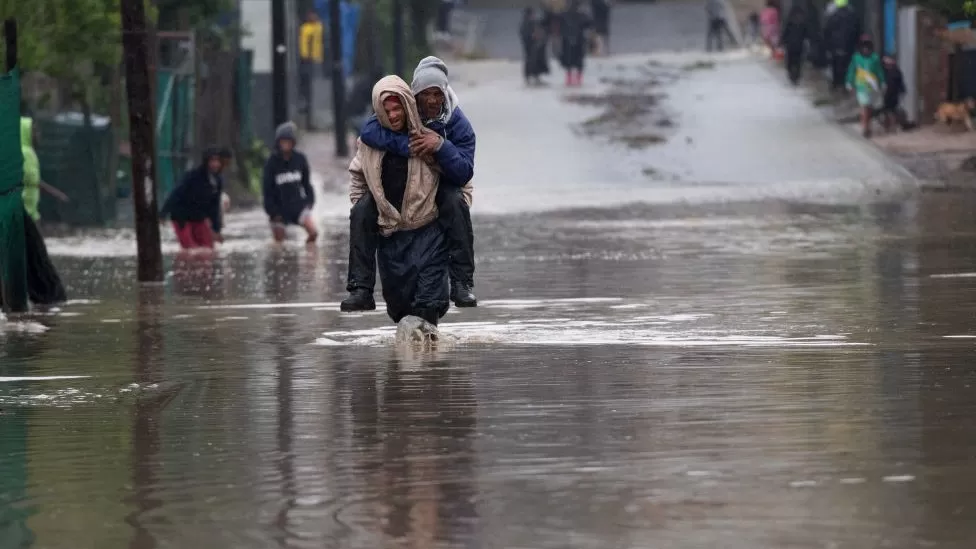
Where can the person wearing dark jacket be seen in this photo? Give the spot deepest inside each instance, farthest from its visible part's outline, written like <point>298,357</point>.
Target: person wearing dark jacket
<point>573,28</point>
<point>841,34</point>
<point>532,33</point>
<point>793,40</point>
<point>451,145</point>
<point>411,246</point>
<point>194,206</point>
<point>288,193</point>
<point>894,90</point>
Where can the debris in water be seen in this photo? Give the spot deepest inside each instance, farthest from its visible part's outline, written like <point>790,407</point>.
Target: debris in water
<point>640,141</point>
<point>699,65</point>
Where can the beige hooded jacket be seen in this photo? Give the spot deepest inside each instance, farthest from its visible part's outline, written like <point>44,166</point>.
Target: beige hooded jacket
<point>366,169</point>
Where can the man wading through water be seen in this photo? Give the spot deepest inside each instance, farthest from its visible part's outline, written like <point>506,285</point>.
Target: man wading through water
<point>451,146</point>
<point>412,249</point>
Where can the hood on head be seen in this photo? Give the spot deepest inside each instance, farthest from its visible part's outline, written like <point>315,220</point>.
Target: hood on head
<point>288,130</point>
<point>211,152</point>
<point>432,62</point>
<point>26,132</point>
<point>394,85</point>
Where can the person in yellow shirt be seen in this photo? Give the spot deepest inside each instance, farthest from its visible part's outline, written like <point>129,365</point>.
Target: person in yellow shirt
<point>310,50</point>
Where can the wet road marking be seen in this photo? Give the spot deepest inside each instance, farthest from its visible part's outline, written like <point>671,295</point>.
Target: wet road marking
<point>39,378</point>
<point>954,275</point>
<point>899,478</point>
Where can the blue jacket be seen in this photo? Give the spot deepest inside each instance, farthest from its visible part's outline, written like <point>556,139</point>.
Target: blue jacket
<point>196,198</point>
<point>455,157</point>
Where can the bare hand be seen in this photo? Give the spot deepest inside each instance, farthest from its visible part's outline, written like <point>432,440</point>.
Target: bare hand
<point>425,143</point>
<point>218,238</point>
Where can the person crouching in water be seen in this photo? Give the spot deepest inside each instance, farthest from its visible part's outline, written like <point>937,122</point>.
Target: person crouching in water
<point>866,77</point>
<point>288,193</point>
<point>412,251</point>
<point>194,206</point>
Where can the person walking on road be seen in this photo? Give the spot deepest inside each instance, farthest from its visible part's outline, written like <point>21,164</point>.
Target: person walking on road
<point>601,24</point>
<point>574,25</point>
<point>194,206</point>
<point>793,41</point>
<point>866,77</point>
<point>412,248</point>
<point>287,186</point>
<point>311,51</point>
<point>451,146</point>
<point>769,22</point>
<point>841,32</point>
<point>717,25</point>
<point>533,36</point>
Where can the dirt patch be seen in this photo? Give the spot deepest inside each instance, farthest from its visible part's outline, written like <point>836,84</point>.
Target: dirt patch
<point>639,141</point>
<point>628,108</point>
<point>699,65</point>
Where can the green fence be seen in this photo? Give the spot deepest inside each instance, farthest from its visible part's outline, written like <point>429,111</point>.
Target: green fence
<point>76,160</point>
<point>174,128</point>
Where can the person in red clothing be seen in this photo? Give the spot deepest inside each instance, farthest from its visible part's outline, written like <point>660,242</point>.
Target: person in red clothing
<point>194,206</point>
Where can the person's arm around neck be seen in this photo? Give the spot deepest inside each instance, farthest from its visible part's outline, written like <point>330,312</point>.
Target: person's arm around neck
<point>376,136</point>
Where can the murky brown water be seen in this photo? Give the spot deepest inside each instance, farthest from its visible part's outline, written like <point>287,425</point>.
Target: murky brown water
<point>743,376</point>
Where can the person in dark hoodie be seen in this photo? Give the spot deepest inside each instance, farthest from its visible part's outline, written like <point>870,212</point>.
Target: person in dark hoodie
<point>451,145</point>
<point>573,28</point>
<point>793,41</point>
<point>535,62</point>
<point>194,206</point>
<point>842,32</point>
<point>411,245</point>
<point>288,193</point>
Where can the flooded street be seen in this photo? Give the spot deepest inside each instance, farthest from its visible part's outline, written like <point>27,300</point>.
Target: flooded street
<point>730,358</point>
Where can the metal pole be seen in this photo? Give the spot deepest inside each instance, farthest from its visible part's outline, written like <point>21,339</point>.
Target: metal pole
<point>139,90</point>
<point>398,37</point>
<point>338,79</point>
<point>279,66</point>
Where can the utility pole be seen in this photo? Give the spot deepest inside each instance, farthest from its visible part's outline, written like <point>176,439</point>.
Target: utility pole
<point>13,245</point>
<point>338,79</point>
<point>398,37</point>
<point>279,63</point>
<point>139,91</point>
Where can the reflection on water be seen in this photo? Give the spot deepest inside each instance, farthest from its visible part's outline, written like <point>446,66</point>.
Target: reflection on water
<point>761,376</point>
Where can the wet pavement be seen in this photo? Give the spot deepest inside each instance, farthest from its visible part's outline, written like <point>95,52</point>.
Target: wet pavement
<point>700,361</point>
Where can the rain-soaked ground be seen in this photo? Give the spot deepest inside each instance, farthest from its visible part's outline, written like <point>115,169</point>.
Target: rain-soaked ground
<point>758,373</point>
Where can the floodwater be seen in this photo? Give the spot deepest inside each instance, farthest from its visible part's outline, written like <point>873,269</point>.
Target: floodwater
<point>752,375</point>
<point>784,364</point>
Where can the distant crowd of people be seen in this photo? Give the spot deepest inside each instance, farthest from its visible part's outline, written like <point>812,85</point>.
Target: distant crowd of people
<point>855,66</point>
<point>569,31</point>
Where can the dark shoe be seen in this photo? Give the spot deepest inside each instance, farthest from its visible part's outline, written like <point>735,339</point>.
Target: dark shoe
<point>462,296</point>
<point>359,299</point>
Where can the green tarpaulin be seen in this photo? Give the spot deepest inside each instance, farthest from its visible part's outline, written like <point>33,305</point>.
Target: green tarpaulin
<point>13,255</point>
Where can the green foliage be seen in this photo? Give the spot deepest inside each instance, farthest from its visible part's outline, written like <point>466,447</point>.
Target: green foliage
<point>66,40</point>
